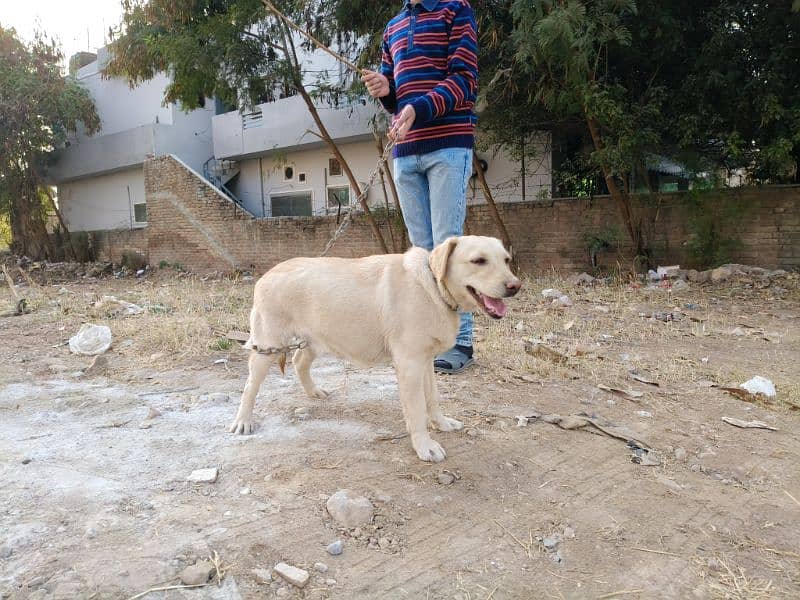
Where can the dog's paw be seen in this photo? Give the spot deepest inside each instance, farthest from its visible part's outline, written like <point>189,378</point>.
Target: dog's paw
<point>429,450</point>
<point>447,424</point>
<point>242,426</point>
<point>320,394</point>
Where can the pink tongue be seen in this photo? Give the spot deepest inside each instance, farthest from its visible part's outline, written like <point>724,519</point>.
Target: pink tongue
<point>495,304</point>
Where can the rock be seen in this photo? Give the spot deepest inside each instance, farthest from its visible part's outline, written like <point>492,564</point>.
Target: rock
<point>91,533</point>
<point>760,385</point>
<point>295,576</point>
<point>551,541</point>
<point>519,326</point>
<point>699,276</point>
<point>203,475</point>
<point>721,274</point>
<point>680,454</point>
<point>197,574</point>
<point>562,300</point>
<point>336,548</point>
<point>6,551</point>
<point>569,533</point>
<point>244,491</point>
<point>330,582</point>
<point>446,477</point>
<point>384,543</point>
<point>348,509</point>
<point>644,413</point>
<point>262,575</point>
<point>26,460</point>
<point>90,340</point>
<point>680,285</point>
<point>321,567</point>
<point>551,293</point>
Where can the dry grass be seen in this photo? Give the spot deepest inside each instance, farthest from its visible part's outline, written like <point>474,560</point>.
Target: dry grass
<point>606,333</point>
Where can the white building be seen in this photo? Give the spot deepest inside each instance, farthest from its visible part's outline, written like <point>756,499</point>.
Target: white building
<point>269,159</point>
<point>100,178</point>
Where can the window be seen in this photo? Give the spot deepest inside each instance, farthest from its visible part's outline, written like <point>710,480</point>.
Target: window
<point>140,213</point>
<point>301,177</point>
<point>291,205</point>
<point>338,196</point>
<point>334,167</point>
<point>288,173</point>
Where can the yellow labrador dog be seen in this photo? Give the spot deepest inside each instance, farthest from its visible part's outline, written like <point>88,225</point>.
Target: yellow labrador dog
<point>399,308</point>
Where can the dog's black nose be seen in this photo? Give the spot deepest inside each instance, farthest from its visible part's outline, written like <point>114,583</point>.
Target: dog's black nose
<point>513,286</point>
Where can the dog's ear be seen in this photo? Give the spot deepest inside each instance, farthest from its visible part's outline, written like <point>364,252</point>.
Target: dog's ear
<point>440,256</point>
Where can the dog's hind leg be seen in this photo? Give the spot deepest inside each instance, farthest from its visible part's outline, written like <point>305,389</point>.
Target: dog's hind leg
<point>302,360</point>
<point>435,416</point>
<point>259,366</point>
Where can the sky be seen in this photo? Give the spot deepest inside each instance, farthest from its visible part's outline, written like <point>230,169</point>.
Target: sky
<point>79,25</point>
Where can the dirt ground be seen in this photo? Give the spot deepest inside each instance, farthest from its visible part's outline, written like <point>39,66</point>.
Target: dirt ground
<point>95,502</point>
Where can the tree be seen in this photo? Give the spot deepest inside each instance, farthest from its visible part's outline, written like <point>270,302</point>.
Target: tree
<point>38,107</point>
<point>236,50</point>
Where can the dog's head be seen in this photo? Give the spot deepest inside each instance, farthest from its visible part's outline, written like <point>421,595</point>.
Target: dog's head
<point>476,271</point>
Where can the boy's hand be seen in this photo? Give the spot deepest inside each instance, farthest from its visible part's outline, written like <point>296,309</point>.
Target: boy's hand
<point>377,84</point>
<point>402,123</point>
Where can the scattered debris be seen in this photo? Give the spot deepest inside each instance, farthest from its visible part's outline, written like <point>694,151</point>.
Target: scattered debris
<point>670,484</point>
<point>581,420</point>
<point>562,301</point>
<point>643,456</point>
<point>348,509</point>
<point>335,548</point>
<point>522,421</point>
<point>198,573</point>
<point>679,285</point>
<point>539,350</point>
<point>321,567</point>
<point>680,454</point>
<point>666,317</point>
<point>670,272</point>
<point>582,279</point>
<point>748,424</point>
<point>115,307</point>
<point>295,576</point>
<point>262,575</point>
<point>644,413</point>
<point>90,340</point>
<point>208,475</point>
<point>759,385</point>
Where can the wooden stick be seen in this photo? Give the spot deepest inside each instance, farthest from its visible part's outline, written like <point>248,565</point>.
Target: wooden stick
<point>619,593</point>
<point>792,497</point>
<point>656,551</point>
<point>310,37</point>
<point>169,587</point>
<point>498,221</point>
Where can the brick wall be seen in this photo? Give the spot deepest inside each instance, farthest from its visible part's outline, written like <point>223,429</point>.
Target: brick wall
<point>191,223</point>
<point>112,245</point>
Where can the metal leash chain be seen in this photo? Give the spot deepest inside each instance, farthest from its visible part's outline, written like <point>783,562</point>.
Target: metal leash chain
<point>299,345</point>
<point>348,216</point>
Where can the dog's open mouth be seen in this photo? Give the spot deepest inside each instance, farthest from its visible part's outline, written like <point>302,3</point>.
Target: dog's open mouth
<point>494,307</point>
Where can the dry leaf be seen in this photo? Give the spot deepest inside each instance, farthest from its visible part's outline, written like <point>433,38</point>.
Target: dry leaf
<point>544,352</point>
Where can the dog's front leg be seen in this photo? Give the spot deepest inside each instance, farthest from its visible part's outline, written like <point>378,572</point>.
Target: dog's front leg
<point>435,415</point>
<point>411,378</point>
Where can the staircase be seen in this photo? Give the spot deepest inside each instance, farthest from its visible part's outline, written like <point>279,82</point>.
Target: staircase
<point>219,172</point>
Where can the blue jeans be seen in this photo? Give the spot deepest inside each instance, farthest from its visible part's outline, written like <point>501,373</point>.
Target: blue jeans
<point>432,189</point>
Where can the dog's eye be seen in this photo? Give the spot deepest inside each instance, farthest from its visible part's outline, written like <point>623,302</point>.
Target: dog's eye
<point>479,261</point>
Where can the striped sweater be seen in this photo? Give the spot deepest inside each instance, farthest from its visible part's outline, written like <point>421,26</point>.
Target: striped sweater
<point>430,59</point>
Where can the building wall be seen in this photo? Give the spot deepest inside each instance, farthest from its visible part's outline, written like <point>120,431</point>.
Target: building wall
<point>119,107</point>
<point>103,202</point>
<point>504,175</point>
<point>192,224</point>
